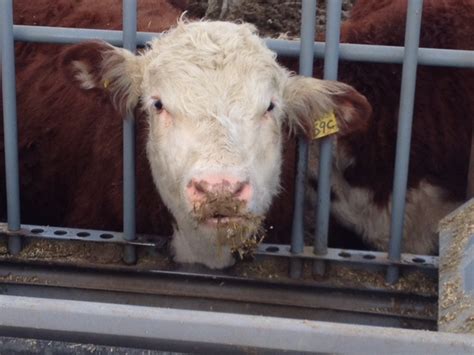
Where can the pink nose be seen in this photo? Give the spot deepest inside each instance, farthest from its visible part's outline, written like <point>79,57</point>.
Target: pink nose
<point>198,189</point>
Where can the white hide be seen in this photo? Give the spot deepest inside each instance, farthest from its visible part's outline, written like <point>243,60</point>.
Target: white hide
<point>354,207</point>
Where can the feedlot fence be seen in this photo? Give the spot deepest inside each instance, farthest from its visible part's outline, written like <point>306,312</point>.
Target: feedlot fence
<point>410,56</point>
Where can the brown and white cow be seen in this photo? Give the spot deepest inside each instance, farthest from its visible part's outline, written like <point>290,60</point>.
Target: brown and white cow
<point>214,101</point>
<point>364,160</point>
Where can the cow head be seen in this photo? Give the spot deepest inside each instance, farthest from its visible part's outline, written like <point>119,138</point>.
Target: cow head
<point>216,101</point>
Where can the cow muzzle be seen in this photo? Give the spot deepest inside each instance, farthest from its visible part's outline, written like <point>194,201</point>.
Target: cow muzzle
<point>219,199</point>
<point>220,204</point>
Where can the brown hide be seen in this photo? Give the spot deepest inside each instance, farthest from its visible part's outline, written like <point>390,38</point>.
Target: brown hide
<point>444,105</point>
<point>70,140</point>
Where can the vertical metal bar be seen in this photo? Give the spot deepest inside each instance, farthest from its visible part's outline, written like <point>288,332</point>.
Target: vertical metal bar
<point>405,118</point>
<point>10,123</point>
<point>129,42</point>
<point>308,25</point>
<point>331,58</point>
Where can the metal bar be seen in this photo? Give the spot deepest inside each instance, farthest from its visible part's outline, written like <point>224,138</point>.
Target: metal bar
<point>347,51</point>
<point>84,235</point>
<point>192,290</point>
<point>10,124</point>
<point>129,222</point>
<point>264,249</point>
<point>308,25</point>
<point>159,327</point>
<point>405,118</point>
<point>380,54</point>
<point>331,58</point>
<point>352,256</point>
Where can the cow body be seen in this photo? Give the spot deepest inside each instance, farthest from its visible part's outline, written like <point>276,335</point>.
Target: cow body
<point>363,164</point>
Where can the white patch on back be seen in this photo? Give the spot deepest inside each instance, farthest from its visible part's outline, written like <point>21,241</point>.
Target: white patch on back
<point>354,208</point>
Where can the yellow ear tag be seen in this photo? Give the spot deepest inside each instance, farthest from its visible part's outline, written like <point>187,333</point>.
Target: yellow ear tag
<point>106,84</point>
<point>325,125</point>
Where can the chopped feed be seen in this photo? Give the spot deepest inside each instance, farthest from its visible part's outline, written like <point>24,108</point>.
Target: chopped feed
<point>236,227</point>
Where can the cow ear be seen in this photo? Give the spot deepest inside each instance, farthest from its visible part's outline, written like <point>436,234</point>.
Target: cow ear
<point>308,100</point>
<point>99,65</point>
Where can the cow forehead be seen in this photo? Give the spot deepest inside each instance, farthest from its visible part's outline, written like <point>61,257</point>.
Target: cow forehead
<point>213,62</point>
<point>198,41</point>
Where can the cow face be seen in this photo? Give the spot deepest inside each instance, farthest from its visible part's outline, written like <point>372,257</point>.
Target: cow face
<point>213,97</point>
<point>216,101</point>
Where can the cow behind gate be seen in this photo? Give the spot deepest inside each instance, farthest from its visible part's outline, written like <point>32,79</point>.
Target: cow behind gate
<point>363,163</point>
<point>65,94</point>
<point>214,101</point>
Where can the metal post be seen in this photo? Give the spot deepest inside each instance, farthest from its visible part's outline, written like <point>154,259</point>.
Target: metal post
<point>331,58</point>
<point>129,42</point>
<point>10,124</point>
<point>405,118</point>
<point>308,25</point>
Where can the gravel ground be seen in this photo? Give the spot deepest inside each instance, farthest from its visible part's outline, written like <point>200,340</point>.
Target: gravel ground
<point>21,346</point>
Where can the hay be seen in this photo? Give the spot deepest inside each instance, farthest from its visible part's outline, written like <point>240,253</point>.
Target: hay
<point>71,251</point>
<point>3,247</point>
<point>235,226</point>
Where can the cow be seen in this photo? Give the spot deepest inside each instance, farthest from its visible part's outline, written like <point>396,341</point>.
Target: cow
<point>363,161</point>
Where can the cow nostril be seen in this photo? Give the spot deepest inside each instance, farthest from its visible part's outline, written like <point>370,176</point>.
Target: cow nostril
<point>199,187</point>
<point>239,188</point>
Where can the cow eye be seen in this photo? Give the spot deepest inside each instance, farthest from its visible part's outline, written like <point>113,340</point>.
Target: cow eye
<point>158,105</point>
<point>271,107</point>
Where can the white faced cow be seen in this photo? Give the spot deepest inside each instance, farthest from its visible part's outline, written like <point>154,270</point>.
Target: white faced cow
<point>216,102</point>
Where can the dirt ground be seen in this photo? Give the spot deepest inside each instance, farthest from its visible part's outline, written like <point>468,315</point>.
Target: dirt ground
<point>273,18</point>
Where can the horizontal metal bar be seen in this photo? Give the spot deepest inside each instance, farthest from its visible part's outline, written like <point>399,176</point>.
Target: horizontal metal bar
<point>347,51</point>
<point>89,235</point>
<point>159,242</point>
<point>66,35</point>
<point>347,255</point>
<point>154,326</point>
<point>293,298</point>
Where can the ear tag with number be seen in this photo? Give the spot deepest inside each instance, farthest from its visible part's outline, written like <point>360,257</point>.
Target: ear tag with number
<point>325,125</point>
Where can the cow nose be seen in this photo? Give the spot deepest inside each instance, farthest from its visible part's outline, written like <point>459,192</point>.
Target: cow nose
<point>199,189</point>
